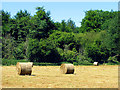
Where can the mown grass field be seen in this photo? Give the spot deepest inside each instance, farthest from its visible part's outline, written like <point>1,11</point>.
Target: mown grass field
<point>51,77</point>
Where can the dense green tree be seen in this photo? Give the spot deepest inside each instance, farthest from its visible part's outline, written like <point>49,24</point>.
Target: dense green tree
<point>67,26</point>
<point>19,26</point>
<point>71,25</point>
<point>5,22</point>
<point>94,19</point>
<point>22,14</point>
<point>112,37</point>
<point>41,24</point>
<point>38,39</point>
<point>43,51</point>
<point>63,38</point>
<point>8,45</point>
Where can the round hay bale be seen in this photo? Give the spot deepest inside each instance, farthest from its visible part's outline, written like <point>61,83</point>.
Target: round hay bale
<point>24,68</point>
<point>31,63</point>
<point>67,68</point>
<point>95,63</point>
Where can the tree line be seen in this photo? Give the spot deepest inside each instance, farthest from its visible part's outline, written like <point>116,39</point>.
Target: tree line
<point>38,38</point>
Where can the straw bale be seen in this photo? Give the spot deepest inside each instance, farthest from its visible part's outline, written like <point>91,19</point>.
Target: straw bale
<point>67,68</point>
<point>95,63</point>
<point>24,68</point>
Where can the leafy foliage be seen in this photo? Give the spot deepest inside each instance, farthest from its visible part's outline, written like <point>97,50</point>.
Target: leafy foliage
<point>42,51</point>
<point>41,24</point>
<point>40,40</point>
<point>112,37</point>
<point>94,19</point>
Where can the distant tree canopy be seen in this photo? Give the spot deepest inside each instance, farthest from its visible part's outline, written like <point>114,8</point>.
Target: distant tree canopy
<point>39,39</point>
<point>94,19</point>
<point>112,37</point>
<point>41,24</point>
<point>5,22</point>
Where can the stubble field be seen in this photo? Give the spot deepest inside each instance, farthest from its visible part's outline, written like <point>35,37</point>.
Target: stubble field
<point>51,77</point>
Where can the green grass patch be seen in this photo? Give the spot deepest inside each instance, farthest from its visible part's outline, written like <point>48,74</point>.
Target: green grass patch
<point>111,63</point>
<point>7,62</point>
<point>65,63</point>
<point>45,64</point>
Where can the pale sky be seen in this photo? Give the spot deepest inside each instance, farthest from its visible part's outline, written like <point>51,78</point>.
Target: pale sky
<point>60,10</point>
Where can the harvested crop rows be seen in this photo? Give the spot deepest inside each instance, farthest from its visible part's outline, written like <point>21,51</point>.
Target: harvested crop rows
<point>51,77</point>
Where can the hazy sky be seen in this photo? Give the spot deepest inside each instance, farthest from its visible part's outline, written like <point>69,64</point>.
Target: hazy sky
<point>60,10</point>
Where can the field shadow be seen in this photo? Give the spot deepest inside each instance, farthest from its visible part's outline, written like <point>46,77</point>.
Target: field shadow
<point>32,75</point>
<point>28,75</point>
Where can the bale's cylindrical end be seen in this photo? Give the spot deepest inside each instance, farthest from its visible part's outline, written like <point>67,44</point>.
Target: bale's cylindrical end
<point>95,63</point>
<point>31,63</point>
<point>67,68</point>
<point>24,68</point>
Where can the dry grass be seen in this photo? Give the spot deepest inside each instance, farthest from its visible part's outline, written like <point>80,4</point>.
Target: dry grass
<point>50,77</point>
